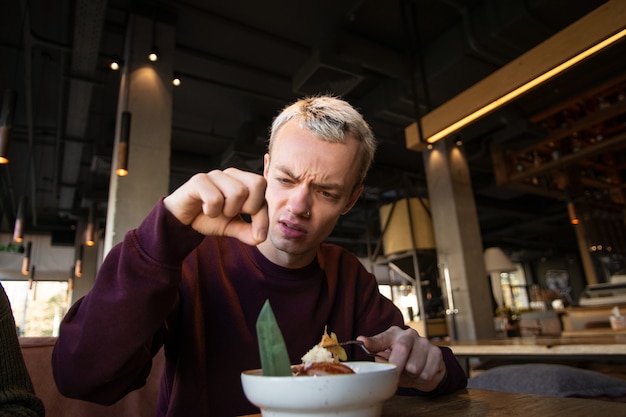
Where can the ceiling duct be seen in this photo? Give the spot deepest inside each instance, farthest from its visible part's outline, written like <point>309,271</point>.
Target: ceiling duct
<point>89,20</point>
<point>324,73</point>
<point>247,150</point>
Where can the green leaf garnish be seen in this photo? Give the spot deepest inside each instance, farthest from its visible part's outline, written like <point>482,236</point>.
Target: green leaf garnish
<point>272,348</point>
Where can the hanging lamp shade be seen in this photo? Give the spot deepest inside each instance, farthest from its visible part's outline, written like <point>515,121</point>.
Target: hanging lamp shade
<point>497,261</point>
<point>153,55</point>
<point>26,259</point>
<point>5,136</point>
<point>122,147</point>
<point>70,285</point>
<point>18,229</point>
<point>78,262</point>
<point>31,277</point>
<point>6,124</point>
<point>406,225</point>
<point>90,229</point>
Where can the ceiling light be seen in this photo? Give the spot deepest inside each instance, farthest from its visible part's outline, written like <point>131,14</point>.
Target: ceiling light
<point>4,144</point>
<point>32,283</point>
<point>91,227</point>
<point>176,80</point>
<point>114,65</point>
<point>70,285</point>
<point>571,207</point>
<point>6,124</point>
<point>122,146</point>
<point>18,229</point>
<point>26,259</point>
<point>78,262</point>
<point>154,54</point>
<point>31,277</point>
<point>8,109</point>
<point>571,211</point>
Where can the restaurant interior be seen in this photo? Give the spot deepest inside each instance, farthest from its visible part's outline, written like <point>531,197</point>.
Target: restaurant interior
<point>542,172</point>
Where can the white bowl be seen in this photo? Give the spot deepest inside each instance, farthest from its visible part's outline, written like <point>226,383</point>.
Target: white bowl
<point>349,395</point>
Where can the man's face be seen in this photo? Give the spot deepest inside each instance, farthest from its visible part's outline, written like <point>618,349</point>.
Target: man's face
<point>310,183</point>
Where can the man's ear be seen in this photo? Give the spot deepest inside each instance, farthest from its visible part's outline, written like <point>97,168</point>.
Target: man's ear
<point>266,164</point>
<point>353,199</point>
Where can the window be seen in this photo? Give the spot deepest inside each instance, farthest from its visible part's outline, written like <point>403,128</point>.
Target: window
<point>404,298</point>
<point>514,289</point>
<point>37,309</point>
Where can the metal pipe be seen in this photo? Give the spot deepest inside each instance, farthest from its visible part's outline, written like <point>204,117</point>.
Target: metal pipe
<point>469,32</point>
<point>30,119</point>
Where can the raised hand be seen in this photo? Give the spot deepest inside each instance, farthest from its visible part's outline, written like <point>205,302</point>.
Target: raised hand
<point>213,202</point>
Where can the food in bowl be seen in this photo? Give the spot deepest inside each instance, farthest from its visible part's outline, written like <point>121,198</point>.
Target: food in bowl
<point>350,389</point>
<point>360,394</point>
<point>323,359</point>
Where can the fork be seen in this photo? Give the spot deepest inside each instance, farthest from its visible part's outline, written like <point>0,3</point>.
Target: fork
<point>361,345</point>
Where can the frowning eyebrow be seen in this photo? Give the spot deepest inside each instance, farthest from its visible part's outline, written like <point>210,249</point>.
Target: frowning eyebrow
<point>322,185</point>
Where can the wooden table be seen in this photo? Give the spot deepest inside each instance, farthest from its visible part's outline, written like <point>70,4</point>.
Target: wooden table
<point>541,348</point>
<point>481,403</point>
<point>594,332</point>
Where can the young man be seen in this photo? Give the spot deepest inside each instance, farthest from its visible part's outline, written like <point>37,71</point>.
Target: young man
<point>194,276</point>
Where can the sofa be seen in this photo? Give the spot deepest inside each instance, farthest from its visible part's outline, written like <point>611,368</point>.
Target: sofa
<point>553,380</point>
<point>37,352</point>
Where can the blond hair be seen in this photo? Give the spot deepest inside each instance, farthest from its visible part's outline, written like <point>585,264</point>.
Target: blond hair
<point>330,119</point>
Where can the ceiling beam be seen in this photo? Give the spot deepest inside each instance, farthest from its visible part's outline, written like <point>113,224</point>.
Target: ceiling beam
<point>598,25</point>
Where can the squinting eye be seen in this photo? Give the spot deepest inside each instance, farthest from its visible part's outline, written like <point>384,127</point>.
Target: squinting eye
<point>328,195</point>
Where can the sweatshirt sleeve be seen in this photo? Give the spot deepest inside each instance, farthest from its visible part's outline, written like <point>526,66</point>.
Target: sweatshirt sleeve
<point>17,397</point>
<point>108,338</point>
<point>454,380</point>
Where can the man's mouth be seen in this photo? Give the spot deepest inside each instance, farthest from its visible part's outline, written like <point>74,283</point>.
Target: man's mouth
<point>291,230</point>
<point>291,226</point>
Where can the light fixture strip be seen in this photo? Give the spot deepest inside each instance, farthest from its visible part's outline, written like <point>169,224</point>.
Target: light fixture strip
<point>526,87</point>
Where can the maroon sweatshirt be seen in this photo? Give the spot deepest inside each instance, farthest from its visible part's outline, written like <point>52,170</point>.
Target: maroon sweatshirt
<point>199,297</point>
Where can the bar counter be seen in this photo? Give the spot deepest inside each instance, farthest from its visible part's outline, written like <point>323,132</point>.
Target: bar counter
<point>536,348</point>
<point>574,347</point>
<point>598,345</point>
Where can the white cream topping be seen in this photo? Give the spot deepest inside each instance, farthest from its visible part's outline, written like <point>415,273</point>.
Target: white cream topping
<point>317,354</point>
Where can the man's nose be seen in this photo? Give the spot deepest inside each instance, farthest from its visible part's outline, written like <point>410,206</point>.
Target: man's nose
<point>300,201</point>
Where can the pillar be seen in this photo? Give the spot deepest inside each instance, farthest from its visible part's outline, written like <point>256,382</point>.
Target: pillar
<point>146,92</point>
<point>459,243</point>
